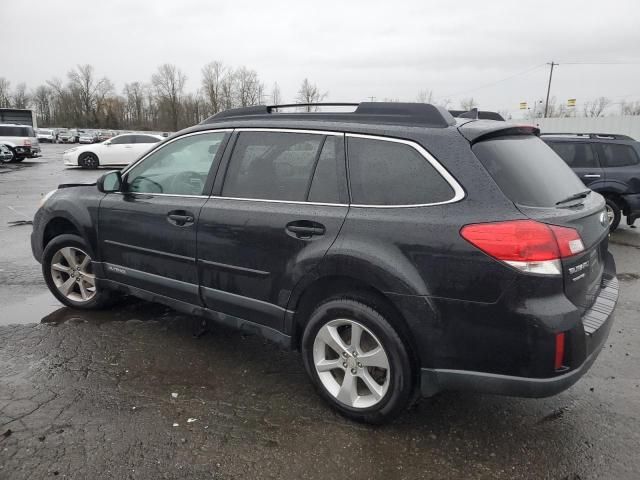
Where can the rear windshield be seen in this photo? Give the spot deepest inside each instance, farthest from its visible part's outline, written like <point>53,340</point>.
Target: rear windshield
<point>527,170</point>
<point>16,132</point>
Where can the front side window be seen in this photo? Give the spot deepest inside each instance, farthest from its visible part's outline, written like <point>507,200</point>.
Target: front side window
<point>391,173</point>
<point>618,155</point>
<point>178,168</point>
<point>272,165</point>
<point>123,140</point>
<point>575,154</point>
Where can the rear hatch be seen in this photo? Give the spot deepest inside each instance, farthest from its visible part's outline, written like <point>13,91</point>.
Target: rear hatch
<point>545,189</point>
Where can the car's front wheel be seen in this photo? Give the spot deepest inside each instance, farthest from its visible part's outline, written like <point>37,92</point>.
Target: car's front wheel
<point>88,160</point>
<point>357,361</point>
<point>68,272</point>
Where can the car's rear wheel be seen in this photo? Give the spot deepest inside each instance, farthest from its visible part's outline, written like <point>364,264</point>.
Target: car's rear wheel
<point>68,272</point>
<point>357,361</point>
<point>613,214</point>
<point>88,160</point>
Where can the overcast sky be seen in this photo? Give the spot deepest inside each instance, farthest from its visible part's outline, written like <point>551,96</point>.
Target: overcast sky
<point>494,51</point>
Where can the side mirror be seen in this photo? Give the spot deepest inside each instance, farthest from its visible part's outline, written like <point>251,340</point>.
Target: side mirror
<point>108,142</point>
<point>110,182</point>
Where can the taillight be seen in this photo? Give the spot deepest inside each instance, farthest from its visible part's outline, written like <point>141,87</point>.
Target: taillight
<point>26,142</point>
<point>527,245</point>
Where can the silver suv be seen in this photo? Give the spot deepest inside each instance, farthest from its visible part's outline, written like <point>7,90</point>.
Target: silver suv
<point>21,140</point>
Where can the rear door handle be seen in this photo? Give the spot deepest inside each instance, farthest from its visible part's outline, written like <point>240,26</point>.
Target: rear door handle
<point>305,229</point>
<point>180,219</point>
<point>591,175</point>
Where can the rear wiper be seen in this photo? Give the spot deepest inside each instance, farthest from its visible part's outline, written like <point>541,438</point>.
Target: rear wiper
<point>575,196</point>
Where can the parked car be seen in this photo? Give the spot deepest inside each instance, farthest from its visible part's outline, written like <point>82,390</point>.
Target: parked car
<point>88,136</point>
<point>606,163</point>
<point>105,135</point>
<point>46,135</point>
<point>401,250</point>
<point>119,150</point>
<point>6,155</point>
<point>21,140</point>
<point>66,136</point>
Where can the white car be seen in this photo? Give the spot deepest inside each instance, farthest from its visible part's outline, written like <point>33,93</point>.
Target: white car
<point>46,135</point>
<point>119,150</point>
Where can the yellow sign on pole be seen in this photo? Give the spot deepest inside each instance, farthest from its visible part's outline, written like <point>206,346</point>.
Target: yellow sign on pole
<point>523,105</point>
<point>571,102</point>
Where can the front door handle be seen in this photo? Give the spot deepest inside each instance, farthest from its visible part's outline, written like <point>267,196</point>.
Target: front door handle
<point>591,175</point>
<point>305,228</point>
<point>180,218</point>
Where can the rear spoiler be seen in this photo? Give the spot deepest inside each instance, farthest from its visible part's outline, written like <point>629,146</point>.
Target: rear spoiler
<point>476,114</point>
<point>480,130</point>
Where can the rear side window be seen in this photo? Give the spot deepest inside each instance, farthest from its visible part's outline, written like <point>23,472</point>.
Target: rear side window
<point>272,165</point>
<point>16,132</point>
<point>575,154</point>
<point>527,170</point>
<point>391,173</point>
<point>123,140</point>
<point>617,155</point>
<point>146,139</point>
<point>328,185</point>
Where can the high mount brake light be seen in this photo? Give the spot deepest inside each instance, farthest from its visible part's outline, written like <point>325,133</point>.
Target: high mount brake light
<point>527,245</point>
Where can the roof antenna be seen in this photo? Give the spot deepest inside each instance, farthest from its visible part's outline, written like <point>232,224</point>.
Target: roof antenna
<point>473,114</point>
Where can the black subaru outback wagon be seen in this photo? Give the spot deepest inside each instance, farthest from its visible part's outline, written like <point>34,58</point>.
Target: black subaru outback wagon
<point>401,250</point>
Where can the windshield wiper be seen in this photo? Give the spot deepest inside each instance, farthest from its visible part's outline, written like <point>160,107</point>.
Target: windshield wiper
<point>575,196</point>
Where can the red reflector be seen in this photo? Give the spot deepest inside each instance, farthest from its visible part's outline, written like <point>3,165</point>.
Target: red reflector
<point>523,240</point>
<point>559,363</point>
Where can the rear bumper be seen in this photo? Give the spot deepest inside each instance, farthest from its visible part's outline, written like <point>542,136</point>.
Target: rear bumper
<point>587,336</point>
<point>632,201</point>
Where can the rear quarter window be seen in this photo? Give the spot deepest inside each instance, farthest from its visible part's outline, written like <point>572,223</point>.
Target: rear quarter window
<point>527,170</point>
<point>384,172</point>
<point>618,155</point>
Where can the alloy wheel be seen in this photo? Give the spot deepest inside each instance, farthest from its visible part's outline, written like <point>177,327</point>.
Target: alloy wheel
<point>72,275</point>
<point>351,363</point>
<point>610,214</point>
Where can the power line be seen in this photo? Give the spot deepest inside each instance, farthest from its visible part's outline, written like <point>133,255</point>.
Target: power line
<point>601,63</point>
<point>494,83</point>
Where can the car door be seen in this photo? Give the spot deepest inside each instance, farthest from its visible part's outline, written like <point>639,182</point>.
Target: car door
<point>147,232</point>
<point>621,164</point>
<point>117,151</point>
<point>582,159</point>
<point>274,214</point>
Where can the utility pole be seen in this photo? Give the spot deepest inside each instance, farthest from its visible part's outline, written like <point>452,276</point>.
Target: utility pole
<point>373,99</point>
<point>546,104</point>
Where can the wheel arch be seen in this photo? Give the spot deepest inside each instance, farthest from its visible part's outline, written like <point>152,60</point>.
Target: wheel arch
<point>57,226</point>
<point>330,286</point>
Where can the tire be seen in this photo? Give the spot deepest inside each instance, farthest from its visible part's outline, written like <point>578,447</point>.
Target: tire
<point>58,252</point>
<point>394,385</point>
<point>614,214</point>
<point>88,160</point>
<point>9,160</point>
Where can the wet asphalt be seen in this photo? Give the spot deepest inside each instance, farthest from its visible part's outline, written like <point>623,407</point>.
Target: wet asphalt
<point>139,391</point>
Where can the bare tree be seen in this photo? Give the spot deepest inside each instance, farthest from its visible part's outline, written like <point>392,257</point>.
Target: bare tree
<point>5,95</point>
<point>212,83</point>
<point>168,83</point>
<point>276,96</point>
<point>249,88</point>
<point>228,90</point>
<point>425,96</point>
<point>20,97</point>
<point>134,97</point>
<point>42,101</point>
<point>596,107</point>
<point>467,104</point>
<point>308,94</point>
<point>89,91</point>
<point>630,108</point>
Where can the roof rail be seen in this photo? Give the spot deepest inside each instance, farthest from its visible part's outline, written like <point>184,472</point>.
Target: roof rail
<point>477,114</point>
<point>608,136</point>
<point>367,112</point>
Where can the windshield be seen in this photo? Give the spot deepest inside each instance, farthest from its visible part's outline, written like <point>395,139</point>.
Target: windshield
<point>528,171</point>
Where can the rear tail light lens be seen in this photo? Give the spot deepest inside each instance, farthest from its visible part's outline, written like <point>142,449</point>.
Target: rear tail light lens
<point>527,245</point>
<point>26,143</point>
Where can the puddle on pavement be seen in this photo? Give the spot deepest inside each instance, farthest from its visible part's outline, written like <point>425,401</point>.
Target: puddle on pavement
<point>44,308</point>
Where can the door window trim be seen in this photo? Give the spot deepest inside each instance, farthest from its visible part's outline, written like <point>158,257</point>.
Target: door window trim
<point>459,192</point>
